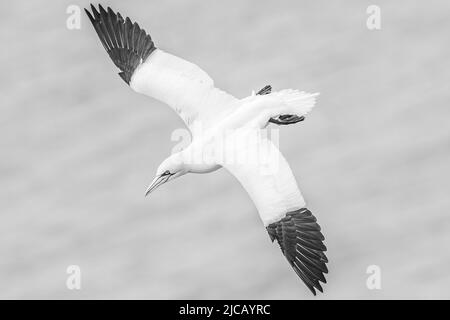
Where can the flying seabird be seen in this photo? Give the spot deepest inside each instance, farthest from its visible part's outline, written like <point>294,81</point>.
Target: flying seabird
<point>216,118</point>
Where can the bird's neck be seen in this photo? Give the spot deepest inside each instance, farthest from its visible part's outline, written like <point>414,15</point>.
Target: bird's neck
<point>196,161</point>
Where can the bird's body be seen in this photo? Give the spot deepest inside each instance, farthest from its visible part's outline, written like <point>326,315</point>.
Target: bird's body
<point>227,132</point>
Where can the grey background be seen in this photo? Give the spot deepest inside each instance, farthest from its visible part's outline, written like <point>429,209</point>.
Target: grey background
<point>78,149</point>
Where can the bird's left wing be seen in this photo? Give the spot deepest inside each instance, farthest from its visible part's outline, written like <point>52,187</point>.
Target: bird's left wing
<point>265,174</point>
<point>181,84</point>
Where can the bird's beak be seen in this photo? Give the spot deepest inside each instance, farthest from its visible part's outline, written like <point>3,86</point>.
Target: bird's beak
<point>159,180</point>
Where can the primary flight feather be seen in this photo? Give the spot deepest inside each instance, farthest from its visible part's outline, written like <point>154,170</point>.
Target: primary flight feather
<point>227,132</point>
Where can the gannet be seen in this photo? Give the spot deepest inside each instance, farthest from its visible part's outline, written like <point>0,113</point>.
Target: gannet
<point>226,132</point>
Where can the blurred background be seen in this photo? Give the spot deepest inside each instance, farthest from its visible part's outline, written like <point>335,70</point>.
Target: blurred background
<point>78,149</point>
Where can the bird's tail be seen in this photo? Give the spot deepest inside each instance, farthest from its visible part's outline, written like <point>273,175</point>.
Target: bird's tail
<point>126,43</point>
<point>293,97</point>
<point>299,102</point>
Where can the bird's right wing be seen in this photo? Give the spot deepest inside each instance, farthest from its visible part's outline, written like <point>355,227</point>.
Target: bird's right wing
<point>182,85</point>
<point>265,174</point>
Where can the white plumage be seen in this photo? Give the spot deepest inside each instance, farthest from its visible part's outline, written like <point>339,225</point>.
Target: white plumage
<point>265,174</point>
<point>184,87</point>
<point>227,132</point>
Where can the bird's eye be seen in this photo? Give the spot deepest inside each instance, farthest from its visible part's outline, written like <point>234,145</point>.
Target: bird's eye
<point>167,172</point>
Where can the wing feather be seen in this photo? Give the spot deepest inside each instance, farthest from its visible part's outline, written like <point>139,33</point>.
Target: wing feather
<point>307,258</point>
<point>263,172</point>
<point>181,84</point>
<point>268,179</point>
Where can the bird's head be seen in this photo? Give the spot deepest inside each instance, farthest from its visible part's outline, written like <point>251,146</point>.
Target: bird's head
<point>171,168</point>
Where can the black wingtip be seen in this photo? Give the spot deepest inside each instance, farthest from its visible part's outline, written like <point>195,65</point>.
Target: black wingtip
<point>301,241</point>
<point>125,77</point>
<point>88,14</point>
<point>127,47</point>
<point>91,18</point>
<point>266,90</point>
<point>102,10</point>
<point>94,11</point>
